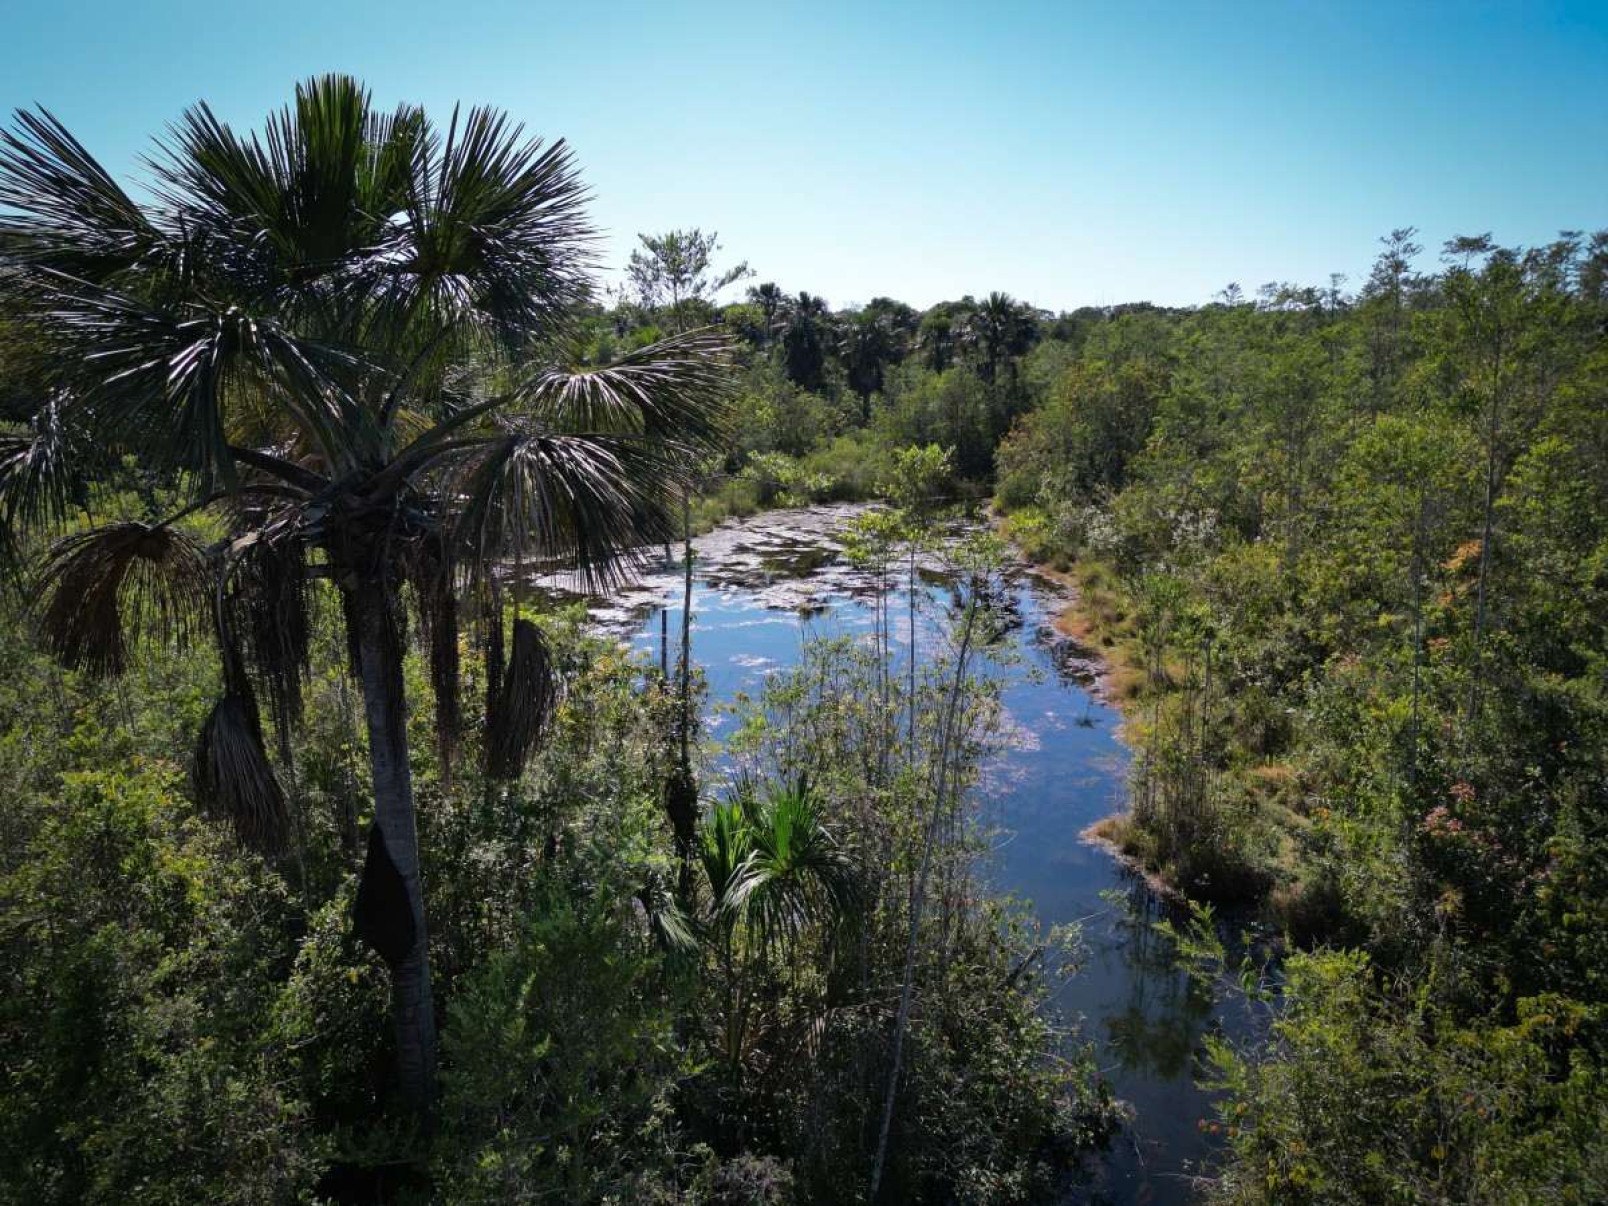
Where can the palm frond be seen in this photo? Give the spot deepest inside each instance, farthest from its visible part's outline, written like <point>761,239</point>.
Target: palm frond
<point>669,924</point>
<point>432,575</point>
<point>308,202</point>
<point>162,382</point>
<point>677,389</point>
<point>529,698</point>
<point>796,874</point>
<point>46,469</point>
<point>725,851</point>
<point>102,588</point>
<point>66,211</point>
<point>382,914</point>
<point>591,505</point>
<point>270,606</point>
<point>495,232</point>
<point>234,779</point>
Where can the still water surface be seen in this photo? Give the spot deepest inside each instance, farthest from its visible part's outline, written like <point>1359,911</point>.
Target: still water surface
<point>764,586</point>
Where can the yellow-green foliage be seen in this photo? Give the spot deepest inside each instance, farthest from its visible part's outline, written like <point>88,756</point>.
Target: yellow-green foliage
<point>1374,1094</point>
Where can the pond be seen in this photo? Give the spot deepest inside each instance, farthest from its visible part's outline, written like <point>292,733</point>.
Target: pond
<point>764,586</point>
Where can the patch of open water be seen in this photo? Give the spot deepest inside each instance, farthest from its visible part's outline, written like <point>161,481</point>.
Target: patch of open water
<point>764,586</point>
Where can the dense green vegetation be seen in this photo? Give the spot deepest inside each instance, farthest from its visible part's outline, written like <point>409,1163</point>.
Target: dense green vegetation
<point>1347,557</point>
<point>1351,554</point>
<point>332,869</point>
<point>270,457</point>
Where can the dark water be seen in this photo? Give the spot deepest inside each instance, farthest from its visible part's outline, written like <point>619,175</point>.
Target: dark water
<point>764,587</point>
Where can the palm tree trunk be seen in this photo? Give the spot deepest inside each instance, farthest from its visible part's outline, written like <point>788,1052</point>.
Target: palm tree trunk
<point>385,707</point>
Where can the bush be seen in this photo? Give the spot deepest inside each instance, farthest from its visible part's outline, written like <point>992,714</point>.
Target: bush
<point>559,1063</point>
<point>1371,1094</point>
<point>136,1022</point>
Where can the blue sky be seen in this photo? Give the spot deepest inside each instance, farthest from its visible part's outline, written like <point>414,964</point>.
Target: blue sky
<point>1067,153</point>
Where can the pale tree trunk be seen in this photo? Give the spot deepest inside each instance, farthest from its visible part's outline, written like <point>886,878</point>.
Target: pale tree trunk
<point>686,631</point>
<point>1487,536</point>
<point>910,737</point>
<point>946,743</point>
<point>384,705</point>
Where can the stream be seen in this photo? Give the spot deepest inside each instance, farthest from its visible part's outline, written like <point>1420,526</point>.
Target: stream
<point>765,585</point>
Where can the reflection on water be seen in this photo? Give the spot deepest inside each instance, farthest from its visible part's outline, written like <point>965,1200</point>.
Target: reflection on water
<point>1157,1030</point>
<point>764,586</point>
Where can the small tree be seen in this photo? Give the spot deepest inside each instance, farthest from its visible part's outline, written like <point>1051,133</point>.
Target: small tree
<point>673,273</point>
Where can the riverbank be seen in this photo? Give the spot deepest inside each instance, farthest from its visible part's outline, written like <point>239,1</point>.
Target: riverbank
<point>1106,653</point>
<point>1100,620</point>
<point>1097,620</point>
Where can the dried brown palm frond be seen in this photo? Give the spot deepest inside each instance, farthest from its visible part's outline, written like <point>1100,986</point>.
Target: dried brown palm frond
<point>491,640</point>
<point>351,625</point>
<point>124,581</point>
<point>234,779</point>
<point>430,572</point>
<point>270,605</point>
<point>525,708</point>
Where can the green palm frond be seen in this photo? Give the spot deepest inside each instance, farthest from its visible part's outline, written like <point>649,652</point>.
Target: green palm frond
<point>65,210</point>
<point>669,924</point>
<point>795,875</point>
<point>591,505</point>
<point>495,231</point>
<point>675,389</point>
<point>46,469</point>
<point>101,589</point>
<point>724,851</point>
<point>162,382</point>
<point>308,206</point>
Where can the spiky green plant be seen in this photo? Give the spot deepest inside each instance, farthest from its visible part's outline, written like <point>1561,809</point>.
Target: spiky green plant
<point>794,874</point>
<point>341,342</point>
<point>775,872</point>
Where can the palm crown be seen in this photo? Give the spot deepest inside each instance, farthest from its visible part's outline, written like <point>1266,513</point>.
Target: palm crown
<point>342,341</point>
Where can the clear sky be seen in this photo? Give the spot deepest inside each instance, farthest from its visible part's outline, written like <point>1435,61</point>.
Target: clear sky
<point>1067,153</point>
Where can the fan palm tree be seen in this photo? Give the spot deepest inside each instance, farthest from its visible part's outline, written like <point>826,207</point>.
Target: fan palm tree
<point>804,342</point>
<point>866,348</point>
<point>1001,328</point>
<point>794,874</point>
<point>341,343</point>
<point>771,301</point>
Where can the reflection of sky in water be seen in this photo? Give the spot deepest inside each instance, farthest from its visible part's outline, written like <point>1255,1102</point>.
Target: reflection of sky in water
<point>1063,770</point>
